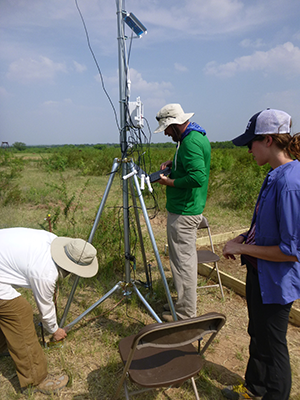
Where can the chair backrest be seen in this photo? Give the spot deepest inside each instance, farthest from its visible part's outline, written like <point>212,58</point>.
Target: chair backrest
<point>159,349</point>
<point>203,223</point>
<point>180,333</point>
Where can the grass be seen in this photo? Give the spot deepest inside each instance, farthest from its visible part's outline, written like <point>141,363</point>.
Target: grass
<point>90,353</point>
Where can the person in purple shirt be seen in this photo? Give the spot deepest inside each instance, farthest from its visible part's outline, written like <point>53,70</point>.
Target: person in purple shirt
<point>271,251</point>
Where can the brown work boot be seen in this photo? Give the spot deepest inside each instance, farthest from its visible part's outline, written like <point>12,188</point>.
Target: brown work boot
<point>51,384</point>
<point>167,316</point>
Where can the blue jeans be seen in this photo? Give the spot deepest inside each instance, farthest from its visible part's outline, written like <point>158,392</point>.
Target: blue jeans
<point>268,371</point>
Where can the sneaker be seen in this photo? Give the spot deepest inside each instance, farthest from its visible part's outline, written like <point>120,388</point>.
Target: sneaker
<point>51,384</point>
<point>238,392</point>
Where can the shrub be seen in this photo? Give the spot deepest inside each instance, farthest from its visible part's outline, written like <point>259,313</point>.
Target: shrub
<point>57,162</point>
<point>10,171</point>
<point>236,175</point>
<point>20,146</point>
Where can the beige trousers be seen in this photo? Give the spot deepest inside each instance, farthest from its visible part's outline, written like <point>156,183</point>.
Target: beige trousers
<point>182,235</point>
<point>18,333</point>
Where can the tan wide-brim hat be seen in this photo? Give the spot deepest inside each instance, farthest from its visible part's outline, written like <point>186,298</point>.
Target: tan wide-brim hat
<point>75,255</point>
<point>171,114</point>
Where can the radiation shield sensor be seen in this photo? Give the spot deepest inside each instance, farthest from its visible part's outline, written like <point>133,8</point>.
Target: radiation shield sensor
<point>136,111</point>
<point>134,24</point>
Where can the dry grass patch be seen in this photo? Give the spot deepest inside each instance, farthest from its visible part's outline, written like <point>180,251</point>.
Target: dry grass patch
<point>90,353</point>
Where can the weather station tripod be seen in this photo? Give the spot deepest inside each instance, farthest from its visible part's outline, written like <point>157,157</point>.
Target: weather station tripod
<point>130,180</point>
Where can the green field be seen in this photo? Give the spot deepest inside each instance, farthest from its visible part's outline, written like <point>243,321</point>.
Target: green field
<point>61,189</point>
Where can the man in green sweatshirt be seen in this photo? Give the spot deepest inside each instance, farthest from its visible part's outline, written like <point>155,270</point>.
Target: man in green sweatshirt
<point>186,197</point>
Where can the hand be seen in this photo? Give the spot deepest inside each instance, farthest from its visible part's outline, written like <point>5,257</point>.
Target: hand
<point>233,247</point>
<point>165,180</point>
<point>166,164</point>
<point>59,334</point>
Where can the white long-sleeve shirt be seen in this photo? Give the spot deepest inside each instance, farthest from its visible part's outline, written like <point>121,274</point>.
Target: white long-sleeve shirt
<point>25,261</point>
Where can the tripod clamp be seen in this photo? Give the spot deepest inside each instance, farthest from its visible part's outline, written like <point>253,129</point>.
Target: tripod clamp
<point>141,174</point>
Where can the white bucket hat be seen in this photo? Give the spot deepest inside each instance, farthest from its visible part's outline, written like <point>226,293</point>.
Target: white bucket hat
<point>171,114</point>
<point>75,255</point>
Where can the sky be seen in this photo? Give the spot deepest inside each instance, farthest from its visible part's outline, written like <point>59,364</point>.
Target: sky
<point>223,60</point>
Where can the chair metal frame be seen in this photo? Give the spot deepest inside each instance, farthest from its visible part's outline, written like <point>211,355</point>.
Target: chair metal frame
<point>162,355</point>
<point>207,257</point>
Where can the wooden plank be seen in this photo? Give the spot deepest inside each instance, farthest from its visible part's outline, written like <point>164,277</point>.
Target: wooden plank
<point>219,238</point>
<point>227,280</point>
<point>239,287</point>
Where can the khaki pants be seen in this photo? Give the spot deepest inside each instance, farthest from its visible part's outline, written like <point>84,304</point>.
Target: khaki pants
<point>17,332</point>
<point>182,235</point>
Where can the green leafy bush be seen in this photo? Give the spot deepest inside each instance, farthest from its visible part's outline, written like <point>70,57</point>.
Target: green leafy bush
<point>236,178</point>
<point>10,169</point>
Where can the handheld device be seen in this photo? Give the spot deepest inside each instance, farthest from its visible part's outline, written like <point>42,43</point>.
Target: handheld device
<point>155,176</point>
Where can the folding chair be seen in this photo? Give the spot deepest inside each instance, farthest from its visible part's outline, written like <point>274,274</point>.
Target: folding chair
<point>209,256</point>
<point>161,355</point>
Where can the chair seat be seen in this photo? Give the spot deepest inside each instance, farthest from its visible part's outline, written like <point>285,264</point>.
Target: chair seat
<point>207,256</point>
<point>161,355</point>
<point>160,367</point>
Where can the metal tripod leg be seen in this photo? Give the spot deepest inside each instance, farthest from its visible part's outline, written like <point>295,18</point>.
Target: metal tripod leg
<point>71,324</point>
<point>146,304</point>
<point>160,267</point>
<point>119,285</point>
<point>137,219</point>
<point>115,166</point>
<point>128,282</point>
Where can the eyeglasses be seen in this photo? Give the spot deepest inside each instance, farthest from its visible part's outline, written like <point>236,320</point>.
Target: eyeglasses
<point>164,117</point>
<point>258,139</point>
<point>249,145</point>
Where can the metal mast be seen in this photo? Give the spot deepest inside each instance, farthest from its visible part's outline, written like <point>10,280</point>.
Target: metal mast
<point>123,129</point>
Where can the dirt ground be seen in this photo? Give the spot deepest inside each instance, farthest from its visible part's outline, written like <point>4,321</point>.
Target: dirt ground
<point>90,354</point>
<point>232,352</point>
<point>229,358</point>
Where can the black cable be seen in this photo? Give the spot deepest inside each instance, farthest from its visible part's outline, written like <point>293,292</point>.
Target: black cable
<point>137,138</point>
<point>134,134</point>
<point>97,65</point>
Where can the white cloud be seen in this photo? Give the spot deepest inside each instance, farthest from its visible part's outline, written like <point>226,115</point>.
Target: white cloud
<point>283,59</point>
<point>140,85</point>
<point>27,70</point>
<point>252,43</point>
<point>217,10</point>
<point>296,36</point>
<point>159,89</point>
<point>180,67</point>
<point>52,103</point>
<point>214,17</point>
<point>79,67</point>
